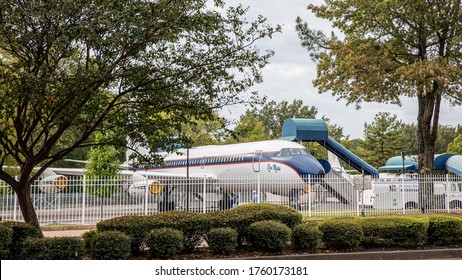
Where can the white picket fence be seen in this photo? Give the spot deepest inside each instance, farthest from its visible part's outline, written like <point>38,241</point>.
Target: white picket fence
<point>85,200</point>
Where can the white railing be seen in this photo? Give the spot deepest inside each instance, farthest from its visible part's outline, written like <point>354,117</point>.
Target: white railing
<point>87,200</point>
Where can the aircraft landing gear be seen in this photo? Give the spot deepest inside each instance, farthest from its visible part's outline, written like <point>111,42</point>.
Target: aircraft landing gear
<point>165,204</point>
<point>293,199</point>
<point>226,201</point>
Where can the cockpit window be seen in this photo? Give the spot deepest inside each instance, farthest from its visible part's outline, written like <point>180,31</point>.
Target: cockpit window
<point>285,152</point>
<point>294,151</point>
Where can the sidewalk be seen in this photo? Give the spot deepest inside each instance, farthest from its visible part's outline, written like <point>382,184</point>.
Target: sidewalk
<point>66,230</point>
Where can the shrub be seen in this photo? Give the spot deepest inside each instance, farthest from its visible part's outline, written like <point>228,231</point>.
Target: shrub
<point>65,248</point>
<point>88,239</point>
<point>394,232</point>
<point>444,230</point>
<point>306,237</point>
<point>34,248</point>
<point>269,236</point>
<point>21,231</point>
<point>222,240</point>
<point>193,225</point>
<point>111,245</point>
<point>6,237</point>
<point>341,233</point>
<point>164,243</point>
<point>136,227</point>
<point>240,218</point>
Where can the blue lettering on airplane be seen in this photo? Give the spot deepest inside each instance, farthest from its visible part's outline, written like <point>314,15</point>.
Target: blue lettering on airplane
<point>273,167</point>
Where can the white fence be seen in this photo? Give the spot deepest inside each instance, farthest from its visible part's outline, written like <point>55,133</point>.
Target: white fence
<point>84,200</point>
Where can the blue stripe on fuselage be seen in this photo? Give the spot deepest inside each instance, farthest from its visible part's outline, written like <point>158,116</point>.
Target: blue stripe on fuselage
<point>302,164</point>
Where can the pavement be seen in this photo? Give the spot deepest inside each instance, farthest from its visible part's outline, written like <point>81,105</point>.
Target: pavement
<point>66,230</point>
<point>423,254</point>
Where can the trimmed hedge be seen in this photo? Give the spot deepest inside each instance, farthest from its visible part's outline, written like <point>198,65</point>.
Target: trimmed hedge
<point>342,233</point>
<point>6,237</point>
<point>88,239</point>
<point>64,248</point>
<point>241,217</point>
<point>306,237</point>
<point>34,248</point>
<point>194,227</point>
<point>269,236</point>
<point>444,230</point>
<point>394,232</point>
<point>222,240</point>
<point>111,245</point>
<point>21,231</point>
<point>164,242</point>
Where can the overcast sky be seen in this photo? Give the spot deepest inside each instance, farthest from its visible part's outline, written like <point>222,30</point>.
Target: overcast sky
<point>290,73</point>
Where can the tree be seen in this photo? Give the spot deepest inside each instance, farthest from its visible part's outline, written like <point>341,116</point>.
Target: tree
<point>382,139</point>
<point>391,49</point>
<point>456,146</point>
<point>87,66</point>
<point>272,115</point>
<point>102,169</point>
<point>249,129</point>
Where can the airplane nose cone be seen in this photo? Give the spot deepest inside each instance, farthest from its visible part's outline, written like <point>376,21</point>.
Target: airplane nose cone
<point>309,166</point>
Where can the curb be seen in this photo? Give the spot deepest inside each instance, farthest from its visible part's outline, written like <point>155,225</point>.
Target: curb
<point>426,254</point>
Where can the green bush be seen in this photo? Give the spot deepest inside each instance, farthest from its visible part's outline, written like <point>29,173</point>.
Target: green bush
<point>88,239</point>
<point>6,237</point>
<point>64,248</point>
<point>240,218</point>
<point>194,227</point>
<point>111,245</point>
<point>34,248</point>
<point>306,237</point>
<point>394,232</point>
<point>341,233</point>
<point>164,243</point>
<point>444,230</point>
<point>222,240</point>
<point>21,231</point>
<point>136,227</point>
<point>269,236</point>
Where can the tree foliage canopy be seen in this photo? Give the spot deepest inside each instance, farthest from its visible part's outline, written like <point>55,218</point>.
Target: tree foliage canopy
<point>390,49</point>
<point>85,66</point>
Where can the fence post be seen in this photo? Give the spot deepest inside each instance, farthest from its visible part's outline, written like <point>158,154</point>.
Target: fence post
<point>15,205</point>
<point>146,197</point>
<point>258,188</point>
<point>204,194</point>
<point>84,197</point>
<point>448,193</point>
<point>402,195</point>
<point>309,195</point>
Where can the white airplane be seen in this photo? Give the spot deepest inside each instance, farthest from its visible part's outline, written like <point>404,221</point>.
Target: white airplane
<point>264,157</point>
<point>268,159</point>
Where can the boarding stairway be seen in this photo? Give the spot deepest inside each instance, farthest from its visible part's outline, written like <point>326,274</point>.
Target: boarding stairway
<point>315,130</point>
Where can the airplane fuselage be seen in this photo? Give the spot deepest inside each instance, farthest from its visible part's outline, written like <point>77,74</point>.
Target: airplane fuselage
<point>267,158</point>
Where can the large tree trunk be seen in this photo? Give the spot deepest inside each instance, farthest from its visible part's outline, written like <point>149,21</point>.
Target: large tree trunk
<point>27,207</point>
<point>427,124</point>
